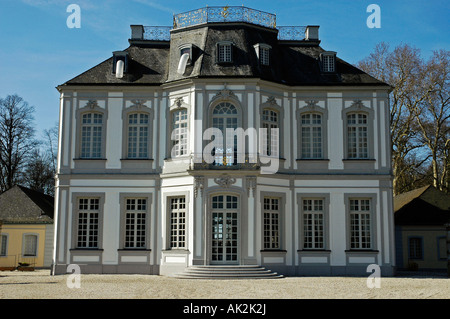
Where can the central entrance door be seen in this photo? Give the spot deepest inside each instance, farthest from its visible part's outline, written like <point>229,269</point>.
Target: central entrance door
<point>224,221</point>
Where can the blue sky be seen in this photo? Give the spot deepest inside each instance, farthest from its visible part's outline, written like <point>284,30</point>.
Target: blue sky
<point>38,51</point>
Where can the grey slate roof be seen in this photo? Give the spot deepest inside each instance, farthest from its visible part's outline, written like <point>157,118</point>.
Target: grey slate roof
<point>292,63</point>
<point>21,205</point>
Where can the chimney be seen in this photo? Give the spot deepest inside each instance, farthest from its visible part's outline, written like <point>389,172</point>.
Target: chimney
<point>137,32</point>
<point>312,33</point>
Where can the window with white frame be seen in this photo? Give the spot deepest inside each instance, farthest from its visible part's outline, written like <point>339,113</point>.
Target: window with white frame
<point>91,135</point>
<point>178,222</point>
<point>30,245</point>
<point>357,136</point>
<point>313,224</point>
<point>135,222</point>
<point>225,116</point>
<point>179,132</point>
<point>88,223</point>
<point>360,224</point>
<point>224,52</point>
<point>415,248</point>
<point>3,245</point>
<point>271,221</point>
<point>264,55</point>
<point>138,135</point>
<point>328,63</point>
<point>270,123</point>
<point>311,136</point>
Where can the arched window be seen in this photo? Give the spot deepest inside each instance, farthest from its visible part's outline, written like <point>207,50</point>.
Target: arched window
<point>311,136</point>
<point>138,135</point>
<point>357,136</point>
<point>91,135</point>
<point>224,116</point>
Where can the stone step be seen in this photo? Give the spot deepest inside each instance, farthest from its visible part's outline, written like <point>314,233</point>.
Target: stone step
<point>227,272</point>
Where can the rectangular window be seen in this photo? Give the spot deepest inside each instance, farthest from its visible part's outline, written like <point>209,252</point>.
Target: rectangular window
<point>225,55</point>
<point>88,222</point>
<point>91,135</point>
<point>415,248</point>
<point>30,245</point>
<point>311,128</point>
<point>264,55</point>
<point>357,136</point>
<point>138,135</point>
<point>3,245</point>
<point>360,224</point>
<point>313,224</point>
<point>178,222</point>
<point>328,63</point>
<point>179,133</point>
<point>135,222</point>
<point>271,219</point>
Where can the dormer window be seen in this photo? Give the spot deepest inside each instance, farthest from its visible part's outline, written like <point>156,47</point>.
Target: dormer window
<point>328,61</point>
<point>224,52</point>
<point>120,56</point>
<point>263,53</point>
<point>186,49</point>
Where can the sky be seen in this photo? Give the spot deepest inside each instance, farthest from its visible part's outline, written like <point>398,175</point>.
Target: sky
<point>38,51</point>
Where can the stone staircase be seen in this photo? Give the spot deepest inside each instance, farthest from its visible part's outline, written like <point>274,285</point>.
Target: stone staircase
<point>227,272</point>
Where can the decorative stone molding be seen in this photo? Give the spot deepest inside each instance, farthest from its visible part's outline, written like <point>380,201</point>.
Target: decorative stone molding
<point>311,103</point>
<point>225,94</point>
<point>138,103</point>
<point>225,181</point>
<point>358,104</point>
<point>251,185</point>
<point>199,183</point>
<point>92,104</point>
<point>178,102</point>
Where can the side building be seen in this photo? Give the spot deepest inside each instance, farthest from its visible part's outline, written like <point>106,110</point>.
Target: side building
<point>145,184</point>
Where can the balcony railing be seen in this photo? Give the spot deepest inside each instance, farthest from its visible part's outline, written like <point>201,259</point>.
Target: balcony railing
<point>224,14</point>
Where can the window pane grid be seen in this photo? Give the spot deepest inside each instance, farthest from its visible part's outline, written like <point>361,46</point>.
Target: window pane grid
<point>311,139</point>
<point>357,136</point>
<point>91,135</point>
<point>179,134</point>
<point>87,235</point>
<point>271,219</point>
<point>225,53</point>
<point>360,224</point>
<point>135,222</point>
<point>138,135</point>
<point>178,222</point>
<point>313,224</point>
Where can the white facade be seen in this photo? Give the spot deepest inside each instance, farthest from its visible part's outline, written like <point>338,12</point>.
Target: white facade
<point>161,212</point>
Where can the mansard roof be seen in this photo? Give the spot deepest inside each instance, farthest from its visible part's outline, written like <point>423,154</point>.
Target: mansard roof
<point>293,63</point>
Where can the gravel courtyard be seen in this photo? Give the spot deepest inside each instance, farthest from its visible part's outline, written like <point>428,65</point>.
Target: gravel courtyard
<point>40,285</point>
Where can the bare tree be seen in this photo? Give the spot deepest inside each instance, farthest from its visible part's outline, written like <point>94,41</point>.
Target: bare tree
<point>38,173</point>
<point>433,116</point>
<point>403,70</point>
<point>419,109</point>
<point>16,139</point>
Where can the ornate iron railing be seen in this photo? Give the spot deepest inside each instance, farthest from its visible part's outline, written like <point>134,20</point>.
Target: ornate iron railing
<point>157,33</point>
<point>293,33</point>
<point>224,14</point>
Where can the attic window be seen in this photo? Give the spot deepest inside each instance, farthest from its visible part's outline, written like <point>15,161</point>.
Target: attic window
<point>186,48</point>
<point>224,52</point>
<point>263,53</point>
<point>120,56</point>
<point>328,61</point>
